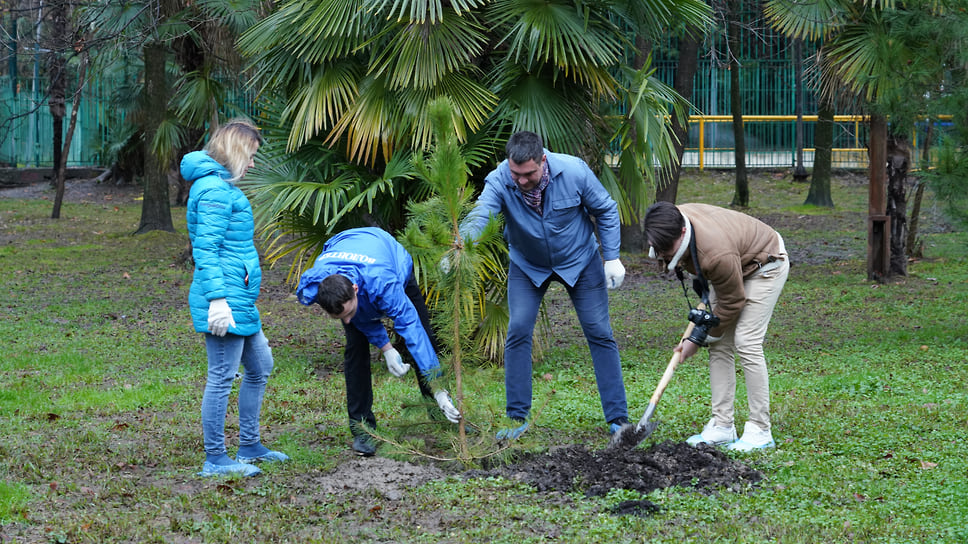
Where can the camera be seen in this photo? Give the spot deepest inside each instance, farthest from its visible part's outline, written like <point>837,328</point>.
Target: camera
<point>704,321</point>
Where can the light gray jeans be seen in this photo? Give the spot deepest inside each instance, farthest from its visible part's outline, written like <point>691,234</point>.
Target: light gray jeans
<point>745,340</point>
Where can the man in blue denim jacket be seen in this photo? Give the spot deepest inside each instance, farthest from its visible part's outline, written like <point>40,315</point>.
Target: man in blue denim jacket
<point>552,204</point>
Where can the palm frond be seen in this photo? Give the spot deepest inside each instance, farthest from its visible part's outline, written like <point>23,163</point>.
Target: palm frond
<point>472,103</point>
<point>862,57</point>
<point>423,11</point>
<point>319,104</point>
<point>197,96</point>
<point>543,31</point>
<point>310,30</point>
<point>168,139</point>
<point>237,15</point>
<point>559,113</point>
<point>813,20</point>
<point>420,54</point>
<point>368,124</point>
<point>651,19</point>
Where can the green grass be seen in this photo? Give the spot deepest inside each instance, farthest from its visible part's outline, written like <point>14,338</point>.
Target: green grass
<point>101,381</point>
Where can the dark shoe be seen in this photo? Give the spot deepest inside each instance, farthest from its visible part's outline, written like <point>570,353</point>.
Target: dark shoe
<point>363,445</point>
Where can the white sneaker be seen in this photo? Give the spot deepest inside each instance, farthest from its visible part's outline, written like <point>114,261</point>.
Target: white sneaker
<point>754,438</point>
<point>713,435</point>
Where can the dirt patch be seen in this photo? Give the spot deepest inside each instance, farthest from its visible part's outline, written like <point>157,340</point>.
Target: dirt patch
<point>78,191</point>
<point>574,468</point>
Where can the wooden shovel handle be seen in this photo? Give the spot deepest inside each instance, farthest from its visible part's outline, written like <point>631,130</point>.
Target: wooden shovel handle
<point>673,362</point>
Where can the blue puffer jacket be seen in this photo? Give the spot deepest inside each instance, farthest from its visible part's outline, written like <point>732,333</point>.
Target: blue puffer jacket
<point>221,229</point>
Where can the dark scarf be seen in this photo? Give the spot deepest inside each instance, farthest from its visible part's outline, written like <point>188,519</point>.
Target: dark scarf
<point>533,197</point>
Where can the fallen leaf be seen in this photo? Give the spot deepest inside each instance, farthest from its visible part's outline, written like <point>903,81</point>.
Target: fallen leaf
<point>927,465</point>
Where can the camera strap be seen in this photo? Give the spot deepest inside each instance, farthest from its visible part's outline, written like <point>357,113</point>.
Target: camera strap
<point>699,284</point>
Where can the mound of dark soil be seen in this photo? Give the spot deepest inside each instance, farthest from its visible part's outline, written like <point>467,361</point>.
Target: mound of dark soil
<point>595,473</point>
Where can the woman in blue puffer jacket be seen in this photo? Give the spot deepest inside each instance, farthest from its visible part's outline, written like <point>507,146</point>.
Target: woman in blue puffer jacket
<point>223,293</point>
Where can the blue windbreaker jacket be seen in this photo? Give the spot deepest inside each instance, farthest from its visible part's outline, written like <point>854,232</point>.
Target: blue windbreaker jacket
<point>560,240</point>
<point>380,267</point>
<point>221,229</point>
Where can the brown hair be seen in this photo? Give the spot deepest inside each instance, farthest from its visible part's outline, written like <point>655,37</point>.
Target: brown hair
<point>524,146</point>
<point>233,145</point>
<point>334,292</point>
<point>663,225</point>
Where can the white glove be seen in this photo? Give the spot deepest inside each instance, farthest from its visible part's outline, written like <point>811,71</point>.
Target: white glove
<point>614,273</point>
<point>395,363</point>
<point>447,406</point>
<point>219,317</point>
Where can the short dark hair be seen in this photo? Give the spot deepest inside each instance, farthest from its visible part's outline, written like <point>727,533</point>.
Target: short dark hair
<point>334,292</point>
<point>524,146</point>
<point>663,225</point>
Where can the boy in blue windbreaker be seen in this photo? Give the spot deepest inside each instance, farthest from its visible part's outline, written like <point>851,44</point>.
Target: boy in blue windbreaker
<point>362,276</point>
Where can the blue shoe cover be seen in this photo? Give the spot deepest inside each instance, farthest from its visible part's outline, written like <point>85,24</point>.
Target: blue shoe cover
<point>258,452</point>
<point>235,469</point>
<point>512,433</point>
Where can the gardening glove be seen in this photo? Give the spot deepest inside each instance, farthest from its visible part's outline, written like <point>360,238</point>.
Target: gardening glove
<point>614,273</point>
<point>513,432</point>
<point>219,317</point>
<point>395,363</point>
<point>447,406</point>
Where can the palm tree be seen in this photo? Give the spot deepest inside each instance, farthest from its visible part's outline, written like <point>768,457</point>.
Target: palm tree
<point>892,55</point>
<point>351,83</point>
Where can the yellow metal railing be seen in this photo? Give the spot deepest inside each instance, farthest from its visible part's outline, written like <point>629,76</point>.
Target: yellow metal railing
<point>854,156</point>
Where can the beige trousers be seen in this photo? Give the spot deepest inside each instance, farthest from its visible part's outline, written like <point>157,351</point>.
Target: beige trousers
<point>745,339</point>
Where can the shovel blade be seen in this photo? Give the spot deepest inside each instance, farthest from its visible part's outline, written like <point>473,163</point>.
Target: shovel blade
<point>628,436</point>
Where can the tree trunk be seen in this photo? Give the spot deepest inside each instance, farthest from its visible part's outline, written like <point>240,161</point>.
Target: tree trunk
<point>799,172</point>
<point>156,206</point>
<point>914,246</point>
<point>898,163</point>
<point>823,141</point>
<point>742,195</point>
<point>57,68</point>
<point>878,222</point>
<point>668,187</point>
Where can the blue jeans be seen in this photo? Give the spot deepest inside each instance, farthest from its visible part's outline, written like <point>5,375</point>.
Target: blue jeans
<point>225,353</point>
<point>590,299</point>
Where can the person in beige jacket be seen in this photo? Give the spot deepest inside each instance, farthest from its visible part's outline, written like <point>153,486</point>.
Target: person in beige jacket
<point>740,265</point>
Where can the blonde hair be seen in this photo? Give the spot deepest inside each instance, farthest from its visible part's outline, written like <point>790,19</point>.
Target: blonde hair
<point>233,146</point>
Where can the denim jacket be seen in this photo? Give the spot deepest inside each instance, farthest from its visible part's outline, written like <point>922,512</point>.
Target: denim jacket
<point>562,238</point>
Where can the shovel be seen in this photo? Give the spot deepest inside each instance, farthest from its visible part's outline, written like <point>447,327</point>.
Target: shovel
<point>628,437</point>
